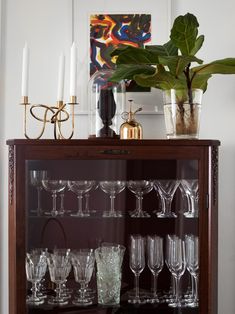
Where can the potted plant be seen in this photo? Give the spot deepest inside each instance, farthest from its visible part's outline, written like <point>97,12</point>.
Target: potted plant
<point>169,67</point>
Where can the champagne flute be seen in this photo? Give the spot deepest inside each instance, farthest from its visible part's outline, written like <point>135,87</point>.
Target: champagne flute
<point>137,264</point>
<point>176,262</point>
<point>155,262</point>
<point>192,259</point>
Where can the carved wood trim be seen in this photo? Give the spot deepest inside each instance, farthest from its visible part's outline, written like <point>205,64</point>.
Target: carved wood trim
<point>215,173</point>
<point>11,173</point>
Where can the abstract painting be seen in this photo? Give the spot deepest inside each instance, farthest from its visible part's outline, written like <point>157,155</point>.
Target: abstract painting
<point>111,31</point>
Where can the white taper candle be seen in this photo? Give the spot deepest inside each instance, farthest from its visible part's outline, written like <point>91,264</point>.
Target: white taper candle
<point>25,71</point>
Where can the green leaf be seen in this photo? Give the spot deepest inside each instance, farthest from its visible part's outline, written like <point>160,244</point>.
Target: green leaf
<point>223,66</point>
<point>127,71</point>
<point>200,81</point>
<point>198,44</point>
<point>168,49</point>
<point>161,80</point>
<point>184,33</point>
<point>177,64</point>
<point>133,55</point>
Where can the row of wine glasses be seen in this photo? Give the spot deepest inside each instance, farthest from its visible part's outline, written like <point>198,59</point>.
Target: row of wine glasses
<point>165,189</point>
<point>179,256</point>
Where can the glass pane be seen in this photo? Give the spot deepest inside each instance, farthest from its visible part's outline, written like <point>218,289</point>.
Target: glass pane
<point>149,207</point>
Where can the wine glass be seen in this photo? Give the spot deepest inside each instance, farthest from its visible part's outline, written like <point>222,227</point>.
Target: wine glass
<point>190,188</point>
<point>176,262</point>
<point>155,262</point>
<point>59,265</point>
<point>80,188</point>
<point>83,266</point>
<point>166,190</point>
<point>36,177</point>
<point>112,188</point>
<point>35,266</point>
<point>139,188</point>
<point>54,187</point>
<point>137,264</point>
<point>192,259</point>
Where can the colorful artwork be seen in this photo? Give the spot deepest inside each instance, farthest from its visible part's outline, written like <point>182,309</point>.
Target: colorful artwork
<point>110,31</point>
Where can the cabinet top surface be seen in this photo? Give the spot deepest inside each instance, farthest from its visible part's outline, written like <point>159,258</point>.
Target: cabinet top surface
<point>113,142</point>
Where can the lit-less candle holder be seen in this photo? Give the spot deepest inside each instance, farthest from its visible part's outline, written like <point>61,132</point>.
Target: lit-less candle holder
<point>55,115</point>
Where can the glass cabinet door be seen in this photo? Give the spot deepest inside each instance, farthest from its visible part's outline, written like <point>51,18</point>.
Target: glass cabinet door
<point>112,236</point>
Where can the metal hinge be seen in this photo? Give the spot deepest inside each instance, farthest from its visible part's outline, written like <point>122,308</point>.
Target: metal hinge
<point>207,201</point>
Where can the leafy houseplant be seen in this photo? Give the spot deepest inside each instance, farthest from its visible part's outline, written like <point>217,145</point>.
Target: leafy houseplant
<point>169,67</point>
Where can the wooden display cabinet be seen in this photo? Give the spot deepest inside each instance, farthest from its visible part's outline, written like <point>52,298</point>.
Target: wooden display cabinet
<point>112,160</point>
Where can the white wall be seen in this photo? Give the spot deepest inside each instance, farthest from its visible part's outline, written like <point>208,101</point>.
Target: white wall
<point>46,25</point>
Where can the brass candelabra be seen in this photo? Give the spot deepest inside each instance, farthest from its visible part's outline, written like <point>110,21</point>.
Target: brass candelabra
<point>55,115</point>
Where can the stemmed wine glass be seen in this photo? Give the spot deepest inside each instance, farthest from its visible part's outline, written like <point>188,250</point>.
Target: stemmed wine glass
<point>83,266</point>
<point>192,259</point>
<point>137,264</point>
<point>112,188</point>
<point>166,190</point>
<point>155,262</point>
<point>139,188</point>
<point>190,188</point>
<point>176,262</point>
<point>35,266</point>
<point>80,188</point>
<point>54,187</point>
<point>59,265</point>
<point>36,177</point>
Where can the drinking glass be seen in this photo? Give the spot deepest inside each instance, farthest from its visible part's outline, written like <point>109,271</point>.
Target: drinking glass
<point>176,262</point>
<point>80,188</point>
<point>155,262</point>
<point>192,259</point>
<point>83,266</point>
<point>137,264</point>
<point>36,177</point>
<point>139,188</point>
<point>190,188</point>
<point>59,265</point>
<point>35,266</point>
<point>112,188</point>
<point>109,258</point>
<point>54,187</point>
<point>166,190</point>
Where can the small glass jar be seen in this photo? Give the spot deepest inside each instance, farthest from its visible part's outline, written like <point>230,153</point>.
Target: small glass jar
<point>106,103</point>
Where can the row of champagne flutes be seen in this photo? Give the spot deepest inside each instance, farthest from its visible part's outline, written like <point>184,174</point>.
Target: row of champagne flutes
<point>179,256</point>
<point>165,188</point>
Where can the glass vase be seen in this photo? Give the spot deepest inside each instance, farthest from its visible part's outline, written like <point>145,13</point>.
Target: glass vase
<point>182,111</point>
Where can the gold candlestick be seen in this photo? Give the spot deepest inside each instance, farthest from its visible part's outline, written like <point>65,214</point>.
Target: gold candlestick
<point>58,113</point>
